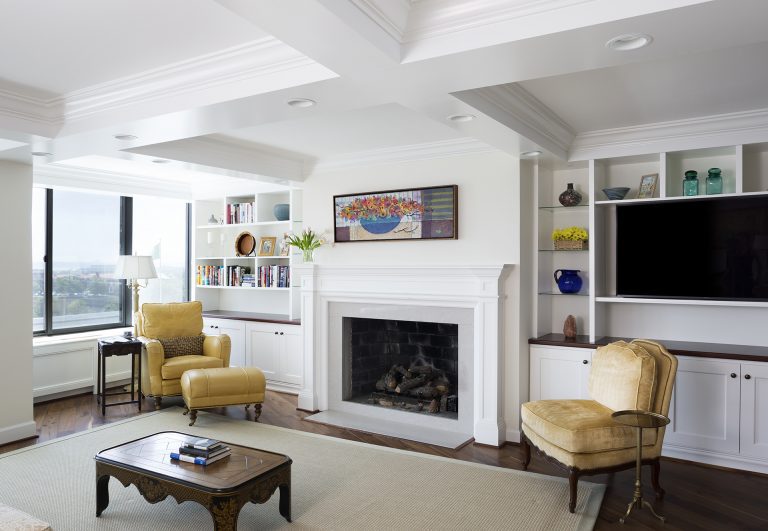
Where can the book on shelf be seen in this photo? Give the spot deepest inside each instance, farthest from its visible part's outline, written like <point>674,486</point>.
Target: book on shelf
<point>196,452</point>
<point>199,460</point>
<point>274,276</point>
<point>241,213</point>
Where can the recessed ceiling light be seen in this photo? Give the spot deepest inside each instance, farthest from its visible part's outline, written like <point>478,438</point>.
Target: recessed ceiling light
<point>161,161</point>
<point>41,154</point>
<point>461,117</point>
<point>534,153</point>
<point>301,102</point>
<point>629,41</point>
<point>126,137</point>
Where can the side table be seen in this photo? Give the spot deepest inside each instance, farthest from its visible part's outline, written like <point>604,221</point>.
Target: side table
<point>639,420</point>
<point>118,346</point>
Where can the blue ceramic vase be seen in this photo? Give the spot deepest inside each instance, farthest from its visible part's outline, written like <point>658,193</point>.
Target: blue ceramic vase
<point>282,211</point>
<point>568,280</point>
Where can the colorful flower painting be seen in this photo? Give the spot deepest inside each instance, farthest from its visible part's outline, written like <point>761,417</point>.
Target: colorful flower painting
<point>419,213</point>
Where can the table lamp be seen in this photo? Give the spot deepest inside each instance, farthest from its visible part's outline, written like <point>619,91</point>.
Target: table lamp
<point>135,268</point>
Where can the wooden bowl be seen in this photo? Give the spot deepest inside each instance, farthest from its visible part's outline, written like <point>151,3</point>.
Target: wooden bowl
<point>245,244</point>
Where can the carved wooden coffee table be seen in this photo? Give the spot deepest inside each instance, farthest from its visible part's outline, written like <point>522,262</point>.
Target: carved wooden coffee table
<point>223,487</point>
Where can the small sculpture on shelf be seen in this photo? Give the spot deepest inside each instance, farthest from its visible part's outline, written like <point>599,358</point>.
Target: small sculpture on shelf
<point>569,328</point>
<point>570,197</point>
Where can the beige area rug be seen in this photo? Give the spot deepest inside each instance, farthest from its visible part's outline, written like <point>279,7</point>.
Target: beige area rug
<point>336,484</point>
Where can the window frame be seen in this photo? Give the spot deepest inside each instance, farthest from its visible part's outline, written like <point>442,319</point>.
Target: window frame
<point>126,247</point>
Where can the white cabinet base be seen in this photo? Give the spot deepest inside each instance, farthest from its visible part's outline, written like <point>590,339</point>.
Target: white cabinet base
<point>715,458</point>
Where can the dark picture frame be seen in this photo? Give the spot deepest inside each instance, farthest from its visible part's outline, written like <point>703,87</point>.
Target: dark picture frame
<point>426,213</point>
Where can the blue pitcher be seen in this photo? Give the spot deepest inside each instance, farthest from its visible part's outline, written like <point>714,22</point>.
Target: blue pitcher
<point>568,280</point>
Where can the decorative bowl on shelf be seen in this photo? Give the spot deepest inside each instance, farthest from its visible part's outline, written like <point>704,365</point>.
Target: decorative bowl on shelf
<point>245,244</point>
<point>282,211</point>
<point>616,193</point>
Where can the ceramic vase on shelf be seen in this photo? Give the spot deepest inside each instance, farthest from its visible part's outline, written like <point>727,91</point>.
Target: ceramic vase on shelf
<point>570,197</point>
<point>568,280</point>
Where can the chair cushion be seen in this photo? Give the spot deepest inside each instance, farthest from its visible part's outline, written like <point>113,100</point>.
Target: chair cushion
<point>580,426</point>
<point>180,346</point>
<point>171,319</point>
<point>623,376</point>
<point>173,368</point>
<point>223,387</point>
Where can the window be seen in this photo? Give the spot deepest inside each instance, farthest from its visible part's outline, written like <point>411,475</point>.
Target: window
<point>77,237</point>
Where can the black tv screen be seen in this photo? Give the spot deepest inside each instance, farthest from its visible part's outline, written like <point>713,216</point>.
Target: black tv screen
<point>705,248</point>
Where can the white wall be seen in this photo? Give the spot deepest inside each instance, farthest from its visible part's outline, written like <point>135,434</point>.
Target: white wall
<point>489,234</point>
<point>16,418</point>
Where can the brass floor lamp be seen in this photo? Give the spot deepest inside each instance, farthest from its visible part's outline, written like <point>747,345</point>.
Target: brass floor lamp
<point>135,268</point>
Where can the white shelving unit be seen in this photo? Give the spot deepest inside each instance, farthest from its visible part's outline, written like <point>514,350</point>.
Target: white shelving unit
<point>214,245</point>
<point>601,313</point>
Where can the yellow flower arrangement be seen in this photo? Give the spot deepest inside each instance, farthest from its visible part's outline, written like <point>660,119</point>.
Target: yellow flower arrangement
<point>575,234</point>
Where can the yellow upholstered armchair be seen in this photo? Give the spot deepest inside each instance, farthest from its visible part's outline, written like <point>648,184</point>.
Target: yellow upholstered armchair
<point>174,342</point>
<point>581,436</point>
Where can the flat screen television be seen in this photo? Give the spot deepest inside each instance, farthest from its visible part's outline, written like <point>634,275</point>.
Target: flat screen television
<point>713,248</point>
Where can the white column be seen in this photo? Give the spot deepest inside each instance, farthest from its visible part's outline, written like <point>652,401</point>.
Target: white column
<point>305,273</point>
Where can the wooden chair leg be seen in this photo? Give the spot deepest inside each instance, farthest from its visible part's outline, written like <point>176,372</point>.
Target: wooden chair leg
<point>573,481</point>
<point>158,402</point>
<point>192,417</point>
<point>655,470</point>
<point>256,412</point>
<point>526,451</point>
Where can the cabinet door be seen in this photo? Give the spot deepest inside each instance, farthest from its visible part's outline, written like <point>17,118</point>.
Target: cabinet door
<point>263,346</point>
<point>559,372</point>
<point>291,358</point>
<point>236,332</point>
<point>754,410</point>
<point>704,410</point>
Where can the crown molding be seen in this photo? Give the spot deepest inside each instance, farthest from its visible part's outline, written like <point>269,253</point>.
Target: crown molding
<point>106,181</point>
<point>29,113</point>
<point>429,150</point>
<point>248,61</point>
<point>516,108</point>
<point>390,15</point>
<point>702,132</point>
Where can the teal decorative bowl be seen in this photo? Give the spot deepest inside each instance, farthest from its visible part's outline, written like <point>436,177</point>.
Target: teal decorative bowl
<point>282,211</point>
<point>616,193</point>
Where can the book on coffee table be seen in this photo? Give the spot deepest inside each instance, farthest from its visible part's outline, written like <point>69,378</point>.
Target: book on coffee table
<point>188,450</point>
<point>200,460</point>
<point>203,444</point>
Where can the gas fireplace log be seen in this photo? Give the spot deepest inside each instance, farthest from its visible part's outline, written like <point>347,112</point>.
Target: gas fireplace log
<point>410,383</point>
<point>426,391</point>
<point>400,369</point>
<point>390,381</point>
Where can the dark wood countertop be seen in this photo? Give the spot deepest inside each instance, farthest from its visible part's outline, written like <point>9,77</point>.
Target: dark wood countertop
<point>678,348</point>
<point>251,316</point>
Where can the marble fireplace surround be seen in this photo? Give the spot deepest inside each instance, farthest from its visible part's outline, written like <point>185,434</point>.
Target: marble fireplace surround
<point>468,295</point>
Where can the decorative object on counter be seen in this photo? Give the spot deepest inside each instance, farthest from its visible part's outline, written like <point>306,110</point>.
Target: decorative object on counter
<point>648,186</point>
<point>691,183</point>
<point>245,244</point>
<point>570,197</point>
<point>213,220</point>
<point>267,245</point>
<point>410,214</point>
<point>282,211</point>
<point>714,181</point>
<point>307,242</point>
<point>616,193</point>
<point>570,239</point>
<point>569,328</point>
<point>568,280</point>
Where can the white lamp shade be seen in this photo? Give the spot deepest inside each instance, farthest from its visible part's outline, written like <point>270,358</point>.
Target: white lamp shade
<point>135,267</point>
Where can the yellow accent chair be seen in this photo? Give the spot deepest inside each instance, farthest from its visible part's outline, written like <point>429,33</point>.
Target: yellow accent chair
<point>581,436</point>
<point>157,323</point>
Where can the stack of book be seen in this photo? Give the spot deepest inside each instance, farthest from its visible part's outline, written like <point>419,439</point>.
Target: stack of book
<point>202,452</point>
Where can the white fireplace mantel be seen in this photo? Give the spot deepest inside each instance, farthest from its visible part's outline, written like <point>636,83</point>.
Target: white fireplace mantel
<point>479,288</point>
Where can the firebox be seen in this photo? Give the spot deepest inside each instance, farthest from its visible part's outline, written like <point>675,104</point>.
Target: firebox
<point>405,365</point>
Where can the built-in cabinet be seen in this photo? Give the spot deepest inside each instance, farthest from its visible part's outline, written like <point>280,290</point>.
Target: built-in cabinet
<point>718,409</point>
<point>236,331</point>
<point>277,350</point>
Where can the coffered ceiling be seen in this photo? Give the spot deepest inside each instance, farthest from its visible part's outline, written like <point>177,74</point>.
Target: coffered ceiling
<point>205,83</point>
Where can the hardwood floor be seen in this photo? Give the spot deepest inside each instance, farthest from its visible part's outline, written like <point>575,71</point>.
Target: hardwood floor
<point>698,497</point>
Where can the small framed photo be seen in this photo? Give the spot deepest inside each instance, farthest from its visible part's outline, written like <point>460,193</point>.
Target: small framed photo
<point>267,246</point>
<point>285,247</point>
<point>648,186</point>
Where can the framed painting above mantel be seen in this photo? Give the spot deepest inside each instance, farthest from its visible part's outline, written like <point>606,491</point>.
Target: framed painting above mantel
<point>410,214</point>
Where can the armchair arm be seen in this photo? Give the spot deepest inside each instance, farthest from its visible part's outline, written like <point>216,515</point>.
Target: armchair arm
<point>218,347</point>
<point>152,358</point>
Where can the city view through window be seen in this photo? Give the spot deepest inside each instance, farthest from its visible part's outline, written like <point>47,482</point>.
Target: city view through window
<point>86,244</point>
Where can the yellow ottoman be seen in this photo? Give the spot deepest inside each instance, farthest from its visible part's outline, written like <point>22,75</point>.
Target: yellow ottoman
<point>227,386</point>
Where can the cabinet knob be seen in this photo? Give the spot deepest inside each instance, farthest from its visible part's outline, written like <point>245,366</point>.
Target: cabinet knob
<point>747,377</point>
<point>281,333</point>
<point>275,333</point>
<point>585,362</point>
<point>733,375</point>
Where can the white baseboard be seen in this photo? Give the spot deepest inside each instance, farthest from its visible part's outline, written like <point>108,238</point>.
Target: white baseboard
<point>513,436</point>
<point>17,432</point>
<point>282,388</point>
<point>712,458</point>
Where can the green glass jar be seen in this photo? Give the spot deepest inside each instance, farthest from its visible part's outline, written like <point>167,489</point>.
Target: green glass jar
<point>714,181</point>
<point>691,183</point>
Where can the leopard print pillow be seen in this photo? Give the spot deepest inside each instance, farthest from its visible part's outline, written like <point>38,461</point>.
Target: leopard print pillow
<point>182,346</point>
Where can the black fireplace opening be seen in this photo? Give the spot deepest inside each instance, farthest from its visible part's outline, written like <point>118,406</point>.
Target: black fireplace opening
<point>405,365</point>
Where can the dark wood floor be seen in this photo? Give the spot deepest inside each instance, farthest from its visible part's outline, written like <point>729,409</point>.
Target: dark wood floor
<point>698,497</point>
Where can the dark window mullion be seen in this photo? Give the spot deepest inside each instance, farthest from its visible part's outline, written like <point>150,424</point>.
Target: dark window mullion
<point>48,261</point>
<point>126,247</point>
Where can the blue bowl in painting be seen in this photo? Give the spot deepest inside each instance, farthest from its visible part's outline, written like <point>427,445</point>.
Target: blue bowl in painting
<point>616,193</point>
<point>380,225</point>
<point>282,211</point>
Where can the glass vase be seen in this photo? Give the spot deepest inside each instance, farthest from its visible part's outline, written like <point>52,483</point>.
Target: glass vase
<point>691,183</point>
<point>308,255</point>
<point>714,181</point>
